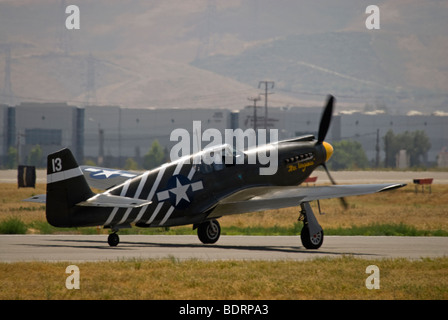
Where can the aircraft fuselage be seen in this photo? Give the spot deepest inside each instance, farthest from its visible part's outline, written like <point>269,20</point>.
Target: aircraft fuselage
<point>186,191</point>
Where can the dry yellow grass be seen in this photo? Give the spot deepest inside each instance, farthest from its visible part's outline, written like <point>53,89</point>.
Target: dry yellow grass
<point>342,278</point>
<point>12,205</point>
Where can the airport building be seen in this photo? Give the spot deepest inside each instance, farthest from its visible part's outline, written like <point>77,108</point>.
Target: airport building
<point>108,135</point>
<point>113,134</point>
<point>49,125</point>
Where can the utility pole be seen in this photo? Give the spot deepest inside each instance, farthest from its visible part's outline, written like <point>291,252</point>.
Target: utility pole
<point>101,146</point>
<point>255,99</point>
<point>90,84</point>
<point>377,149</point>
<point>7,95</point>
<point>267,85</point>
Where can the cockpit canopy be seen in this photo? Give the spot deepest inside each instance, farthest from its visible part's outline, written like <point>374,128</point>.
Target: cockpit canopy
<point>218,157</point>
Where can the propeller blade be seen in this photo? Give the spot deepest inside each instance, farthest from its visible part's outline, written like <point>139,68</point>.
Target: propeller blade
<point>333,182</point>
<point>343,203</point>
<point>328,174</point>
<point>325,119</point>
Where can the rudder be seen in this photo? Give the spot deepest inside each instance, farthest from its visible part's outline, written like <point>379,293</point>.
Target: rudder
<point>66,186</point>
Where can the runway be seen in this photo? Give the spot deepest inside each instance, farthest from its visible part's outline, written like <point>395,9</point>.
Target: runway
<point>78,248</point>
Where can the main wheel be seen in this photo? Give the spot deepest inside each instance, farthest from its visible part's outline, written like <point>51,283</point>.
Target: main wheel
<point>113,239</point>
<point>311,242</point>
<point>209,231</point>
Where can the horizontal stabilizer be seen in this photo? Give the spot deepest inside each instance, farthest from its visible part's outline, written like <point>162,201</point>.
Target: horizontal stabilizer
<point>111,201</point>
<point>104,178</point>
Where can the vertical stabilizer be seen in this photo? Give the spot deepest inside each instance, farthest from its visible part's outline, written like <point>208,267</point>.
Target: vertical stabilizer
<point>66,186</point>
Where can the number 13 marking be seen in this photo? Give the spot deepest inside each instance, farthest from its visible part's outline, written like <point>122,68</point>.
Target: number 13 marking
<point>57,164</point>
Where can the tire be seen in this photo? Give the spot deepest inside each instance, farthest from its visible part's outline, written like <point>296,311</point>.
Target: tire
<point>309,242</point>
<point>209,232</point>
<point>113,239</point>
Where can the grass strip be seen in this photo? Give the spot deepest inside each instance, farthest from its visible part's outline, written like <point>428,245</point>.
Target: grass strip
<point>16,226</point>
<point>377,229</point>
<point>322,278</point>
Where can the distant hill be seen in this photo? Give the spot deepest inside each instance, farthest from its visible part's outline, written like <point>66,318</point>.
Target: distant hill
<point>349,64</point>
<point>207,53</point>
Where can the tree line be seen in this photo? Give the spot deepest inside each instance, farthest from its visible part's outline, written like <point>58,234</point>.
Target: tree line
<point>349,154</point>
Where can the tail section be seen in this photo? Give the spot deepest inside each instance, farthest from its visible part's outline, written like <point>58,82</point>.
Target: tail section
<point>66,186</point>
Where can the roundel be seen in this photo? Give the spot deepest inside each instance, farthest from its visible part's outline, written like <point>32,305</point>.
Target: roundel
<point>180,191</point>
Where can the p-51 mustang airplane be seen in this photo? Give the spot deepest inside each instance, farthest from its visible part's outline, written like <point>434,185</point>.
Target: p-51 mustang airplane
<point>193,192</point>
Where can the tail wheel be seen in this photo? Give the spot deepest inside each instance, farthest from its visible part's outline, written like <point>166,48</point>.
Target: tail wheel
<point>311,241</point>
<point>209,232</point>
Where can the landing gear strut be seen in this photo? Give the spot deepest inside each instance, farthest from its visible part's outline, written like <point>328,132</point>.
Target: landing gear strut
<point>312,235</point>
<point>209,231</point>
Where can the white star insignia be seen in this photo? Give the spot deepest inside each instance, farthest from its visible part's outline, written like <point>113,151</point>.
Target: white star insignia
<point>180,191</point>
<point>106,173</point>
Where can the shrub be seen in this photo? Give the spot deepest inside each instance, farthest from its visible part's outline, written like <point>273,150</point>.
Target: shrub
<point>13,226</point>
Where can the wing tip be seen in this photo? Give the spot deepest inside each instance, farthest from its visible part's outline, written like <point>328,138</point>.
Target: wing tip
<point>393,187</point>
<point>40,198</point>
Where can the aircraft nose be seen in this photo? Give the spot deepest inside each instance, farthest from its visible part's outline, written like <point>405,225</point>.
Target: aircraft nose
<point>328,150</point>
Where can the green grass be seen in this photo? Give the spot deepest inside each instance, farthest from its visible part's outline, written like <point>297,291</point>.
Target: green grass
<point>375,229</point>
<point>16,226</point>
<point>13,225</point>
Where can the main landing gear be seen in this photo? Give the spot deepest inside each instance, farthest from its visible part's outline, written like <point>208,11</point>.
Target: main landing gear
<point>312,235</point>
<point>113,239</point>
<point>209,231</point>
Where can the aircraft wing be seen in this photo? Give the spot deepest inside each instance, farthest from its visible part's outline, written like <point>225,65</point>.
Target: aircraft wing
<point>266,198</point>
<point>104,178</point>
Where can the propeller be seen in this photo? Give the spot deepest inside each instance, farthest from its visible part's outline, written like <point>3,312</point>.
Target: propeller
<point>323,130</point>
<point>325,120</point>
<point>333,182</point>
